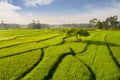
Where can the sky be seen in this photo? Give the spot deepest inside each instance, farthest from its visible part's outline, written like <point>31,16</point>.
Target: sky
<point>57,11</point>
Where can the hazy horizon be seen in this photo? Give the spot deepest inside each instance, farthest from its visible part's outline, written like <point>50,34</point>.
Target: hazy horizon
<point>57,11</point>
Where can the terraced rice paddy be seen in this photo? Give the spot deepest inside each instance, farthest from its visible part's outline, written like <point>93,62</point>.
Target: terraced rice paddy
<point>49,55</point>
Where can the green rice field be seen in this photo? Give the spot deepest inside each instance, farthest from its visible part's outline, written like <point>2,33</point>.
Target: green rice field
<point>50,55</point>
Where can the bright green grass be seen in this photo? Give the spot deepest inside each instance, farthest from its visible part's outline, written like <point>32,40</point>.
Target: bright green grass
<point>25,32</point>
<point>15,66</point>
<point>20,49</point>
<point>92,34</point>
<point>80,46</point>
<point>114,37</point>
<point>104,67</point>
<point>17,32</point>
<point>113,40</point>
<point>13,34</point>
<point>30,46</point>
<point>91,59</point>
<point>98,58</point>
<point>50,58</point>
<point>54,41</point>
<point>27,39</point>
<point>7,38</point>
<point>72,69</point>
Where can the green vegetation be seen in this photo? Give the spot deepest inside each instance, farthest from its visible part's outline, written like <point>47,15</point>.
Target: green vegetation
<point>77,32</point>
<point>110,23</point>
<point>51,55</point>
<point>73,69</point>
<point>45,68</point>
<point>15,66</point>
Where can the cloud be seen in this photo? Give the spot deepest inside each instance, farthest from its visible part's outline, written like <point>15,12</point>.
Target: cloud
<point>100,14</point>
<point>84,17</point>
<point>6,6</point>
<point>33,3</point>
<point>8,13</point>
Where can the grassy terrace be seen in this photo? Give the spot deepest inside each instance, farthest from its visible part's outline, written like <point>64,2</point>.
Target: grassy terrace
<point>50,55</point>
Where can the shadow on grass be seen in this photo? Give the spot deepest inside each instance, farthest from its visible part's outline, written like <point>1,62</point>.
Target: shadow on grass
<point>99,43</point>
<point>108,44</point>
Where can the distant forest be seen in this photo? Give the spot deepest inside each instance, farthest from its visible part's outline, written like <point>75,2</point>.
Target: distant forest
<point>109,23</point>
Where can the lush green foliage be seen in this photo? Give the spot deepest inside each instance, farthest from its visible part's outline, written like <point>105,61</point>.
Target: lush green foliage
<point>110,23</point>
<point>50,55</point>
<point>77,32</point>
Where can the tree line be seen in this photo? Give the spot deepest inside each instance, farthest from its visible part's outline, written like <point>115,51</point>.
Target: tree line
<point>110,23</point>
<point>37,25</point>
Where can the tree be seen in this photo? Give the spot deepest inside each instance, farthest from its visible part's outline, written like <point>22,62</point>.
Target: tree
<point>35,25</point>
<point>112,22</point>
<point>70,32</point>
<point>105,25</point>
<point>81,32</point>
<point>77,32</point>
<point>99,25</point>
<point>93,22</point>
